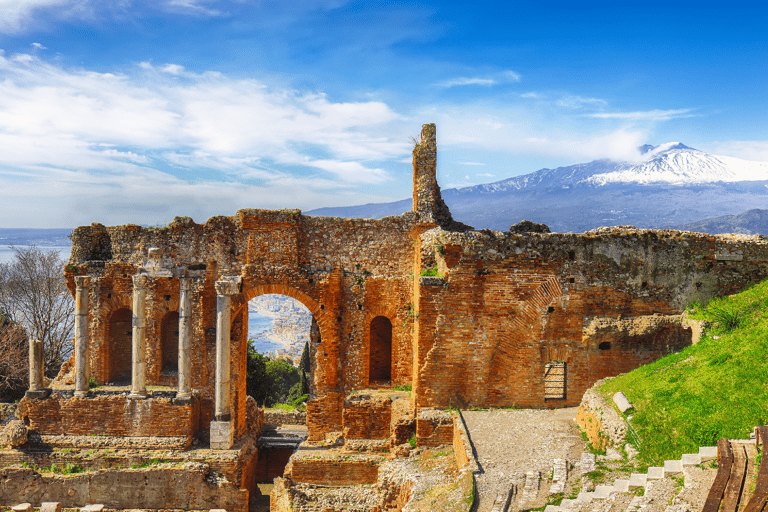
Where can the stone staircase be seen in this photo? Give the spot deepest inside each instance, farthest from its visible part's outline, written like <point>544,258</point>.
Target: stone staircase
<point>603,493</point>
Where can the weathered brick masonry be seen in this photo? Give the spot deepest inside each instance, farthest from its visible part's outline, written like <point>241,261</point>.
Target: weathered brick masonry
<point>526,320</point>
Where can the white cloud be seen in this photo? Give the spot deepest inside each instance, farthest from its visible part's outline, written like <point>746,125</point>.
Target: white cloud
<point>471,163</point>
<point>486,81</point>
<point>39,46</point>
<point>648,115</point>
<point>193,7</point>
<point>132,134</point>
<point>575,102</point>
<point>755,150</point>
<point>487,175</point>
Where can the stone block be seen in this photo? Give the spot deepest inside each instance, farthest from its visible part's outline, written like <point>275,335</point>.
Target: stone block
<point>50,506</point>
<point>673,467</point>
<point>22,507</point>
<point>602,492</point>
<point>620,399</point>
<point>92,508</point>
<point>691,459</point>
<point>621,485</point>
<point>708,453</point>
<point>637,480</point>
<point>655,473</point>
<point>222,435</point>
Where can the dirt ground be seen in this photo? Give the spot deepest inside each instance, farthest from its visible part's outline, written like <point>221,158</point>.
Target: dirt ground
<point>510,443</point>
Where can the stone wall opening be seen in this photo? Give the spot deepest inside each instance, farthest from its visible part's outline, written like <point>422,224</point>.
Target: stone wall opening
<point>380,355</point>
<point>120,341</point>
<point>555,380</point>
<point>169,342</point>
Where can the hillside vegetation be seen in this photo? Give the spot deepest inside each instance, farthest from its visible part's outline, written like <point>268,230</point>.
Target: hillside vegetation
<point>716,388</point>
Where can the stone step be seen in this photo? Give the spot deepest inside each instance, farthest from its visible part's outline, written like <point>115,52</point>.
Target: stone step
<point>673,467</point>
<point>708,453</point>
<point>621,486</point>
<point>602,492</point>
<point>568,503</point>
<point>655,473</point>
<point>552,508</point>
<point>637,480</point>
<point>585,496</point>
<point>691,459</point>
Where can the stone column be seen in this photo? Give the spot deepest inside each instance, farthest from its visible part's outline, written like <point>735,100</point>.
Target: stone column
<point>36,367</point>
<point>184,393</point>
<point>82,356</point>
<point>139,341</point>
<point>222,429</point>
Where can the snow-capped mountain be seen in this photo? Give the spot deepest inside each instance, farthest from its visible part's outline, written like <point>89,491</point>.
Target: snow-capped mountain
<point>670,184</point>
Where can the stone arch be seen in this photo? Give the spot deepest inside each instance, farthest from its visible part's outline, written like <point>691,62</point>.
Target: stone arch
<point>119,344</point>
<point>163,336</point>
<point>250,292</point>
<point>380,351</point>
<point>396,337</point>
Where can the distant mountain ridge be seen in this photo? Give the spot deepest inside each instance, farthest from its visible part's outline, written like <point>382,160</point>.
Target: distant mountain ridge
<point>673,185</point>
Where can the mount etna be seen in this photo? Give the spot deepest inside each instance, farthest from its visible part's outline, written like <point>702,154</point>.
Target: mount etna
<point>672,186</point>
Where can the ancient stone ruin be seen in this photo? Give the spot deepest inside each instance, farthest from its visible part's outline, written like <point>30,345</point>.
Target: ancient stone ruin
<point>466,318</point>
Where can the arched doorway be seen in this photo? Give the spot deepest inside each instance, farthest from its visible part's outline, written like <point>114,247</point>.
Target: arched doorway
<point>120,345</point>
<point>169,342</point>
<point>380,355</point>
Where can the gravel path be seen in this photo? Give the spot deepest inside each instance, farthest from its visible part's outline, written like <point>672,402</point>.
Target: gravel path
<point>510,443</point>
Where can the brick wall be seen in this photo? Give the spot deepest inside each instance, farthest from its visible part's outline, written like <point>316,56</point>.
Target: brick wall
<point>367,417</point>
<point>112,415</point>
<point>334,471</point>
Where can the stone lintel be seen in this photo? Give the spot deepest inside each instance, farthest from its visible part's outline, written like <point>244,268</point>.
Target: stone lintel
<point>222,435</point>
<point>38,394</point>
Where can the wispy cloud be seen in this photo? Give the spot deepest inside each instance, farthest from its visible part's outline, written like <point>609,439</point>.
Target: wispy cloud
<point>503,77</point>
<point>756,150</point>
<point>647,115</point>
<point>15,15</point>
<point>192,7</point>
<point>575,102</point>
<point>471,163</point>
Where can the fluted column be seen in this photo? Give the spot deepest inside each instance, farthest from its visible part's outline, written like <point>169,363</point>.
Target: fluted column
<point>139,341</point>
<point>222,431</point>
<point>185,321</point>
<point>82,356</point>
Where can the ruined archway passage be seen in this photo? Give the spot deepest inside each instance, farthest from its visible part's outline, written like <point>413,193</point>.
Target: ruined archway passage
<point>120,334</point>
<point>169,341</point>
<point>380,358</point>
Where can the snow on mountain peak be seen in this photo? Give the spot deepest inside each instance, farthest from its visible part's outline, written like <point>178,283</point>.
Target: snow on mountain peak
<point>677,164</point>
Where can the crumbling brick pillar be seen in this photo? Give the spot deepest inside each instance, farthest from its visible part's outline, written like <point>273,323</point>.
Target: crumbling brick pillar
<point>222,428</point>
<point>82,352</point>
<point>139,340</point>
<point>185,324</point>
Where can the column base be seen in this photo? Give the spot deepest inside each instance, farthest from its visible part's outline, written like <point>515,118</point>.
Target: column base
<point>222,435</point>
<point>38,393</point>
<point>137,396</point>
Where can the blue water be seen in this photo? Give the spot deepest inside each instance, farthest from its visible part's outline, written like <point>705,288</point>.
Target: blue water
<point>257,325</point>
<point>45,239</point>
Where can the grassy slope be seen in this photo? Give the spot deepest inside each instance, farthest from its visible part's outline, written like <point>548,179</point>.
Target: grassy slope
<point>716,388</point>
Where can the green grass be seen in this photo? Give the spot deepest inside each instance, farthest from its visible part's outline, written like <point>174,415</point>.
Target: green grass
<point>717,388</point>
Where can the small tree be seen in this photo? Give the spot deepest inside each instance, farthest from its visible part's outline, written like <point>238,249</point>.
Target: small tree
<point>33,294</point>
<point>14,363</point>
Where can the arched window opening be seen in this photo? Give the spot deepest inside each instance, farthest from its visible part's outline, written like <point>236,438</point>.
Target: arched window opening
<point>554,380</point>
<point>169,341</point>
<point>380,359</point>
<point>120,342</point>
<point>606,345</point>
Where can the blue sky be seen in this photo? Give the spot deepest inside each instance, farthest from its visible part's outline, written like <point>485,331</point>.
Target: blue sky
<point>118,112</point>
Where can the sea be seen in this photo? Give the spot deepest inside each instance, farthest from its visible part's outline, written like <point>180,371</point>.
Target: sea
<point>58,240</point>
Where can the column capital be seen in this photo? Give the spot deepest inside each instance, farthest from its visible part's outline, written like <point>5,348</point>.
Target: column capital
<point>82,282</point>
<point>185,283</point>
<point>228,286</point>
<point>139,281</point>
